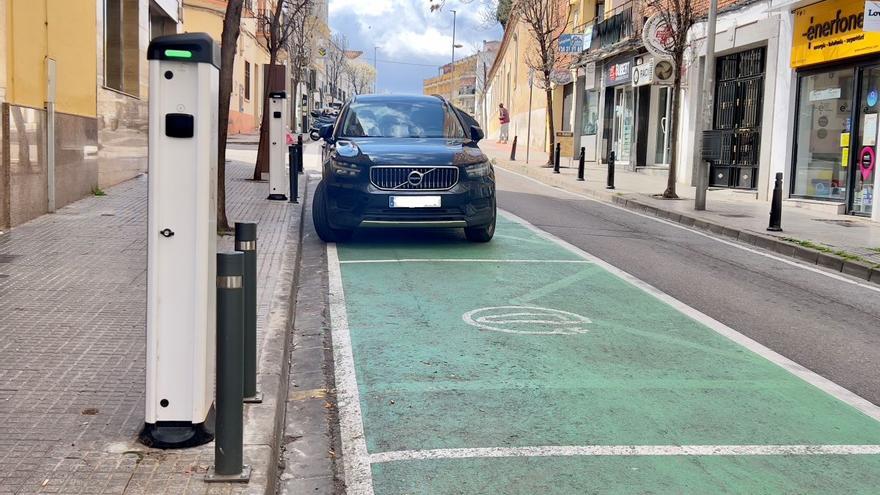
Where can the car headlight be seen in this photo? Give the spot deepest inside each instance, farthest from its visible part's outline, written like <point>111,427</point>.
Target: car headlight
<point>343,169</point>
<point>483,169</point>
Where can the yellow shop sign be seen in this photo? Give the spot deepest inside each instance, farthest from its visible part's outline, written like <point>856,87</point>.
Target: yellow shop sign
<point>831,30</point>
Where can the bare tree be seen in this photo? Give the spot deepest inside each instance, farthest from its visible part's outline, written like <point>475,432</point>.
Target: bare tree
<point>676,18</point>
<point>545,21</point>
<point>361,76</point>
<point>276,29</point>
<point>301,49</point>
<point>228,43</point>
<point>335,61</point>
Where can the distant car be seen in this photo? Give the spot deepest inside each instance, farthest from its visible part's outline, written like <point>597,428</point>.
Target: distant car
<point>403,161</point>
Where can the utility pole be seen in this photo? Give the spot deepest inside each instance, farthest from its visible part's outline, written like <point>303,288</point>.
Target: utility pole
<point>707,107</point>
<point>452,79</point>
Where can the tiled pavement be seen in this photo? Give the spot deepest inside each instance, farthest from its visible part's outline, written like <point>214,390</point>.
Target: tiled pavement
<point>72,316</point>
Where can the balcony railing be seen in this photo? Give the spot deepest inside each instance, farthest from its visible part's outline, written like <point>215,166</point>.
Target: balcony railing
<point>622,24</point>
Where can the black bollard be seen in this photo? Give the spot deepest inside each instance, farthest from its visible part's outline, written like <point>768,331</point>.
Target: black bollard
<point>581,165</point>
<point>246,243</point>
<point>611,157</point>
<point>513,150</point>
<point>556,158</point>
<point>776,206</point>
<point>229,437</point>
<point>299,158</point>
<point>292,158</point>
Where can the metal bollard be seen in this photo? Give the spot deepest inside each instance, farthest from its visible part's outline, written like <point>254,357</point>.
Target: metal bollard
<point>513,150</point>
<point>611,157</point>
<point>229,436</point>
<point>299,158</point>
<point>556,158</point>
<point>246,243</point>
<point>292,157</point>
<point>581,164</point>
<point>776,206</point>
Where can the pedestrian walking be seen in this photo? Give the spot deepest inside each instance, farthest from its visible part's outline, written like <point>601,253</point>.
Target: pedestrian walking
<point>504,118</point>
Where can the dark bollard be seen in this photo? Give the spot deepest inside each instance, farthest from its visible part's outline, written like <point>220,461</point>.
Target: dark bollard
<point>556,159</point>
<point>611,157</point>
<point>581,165</point>
<point>292,158</point>
<point>229,435</point>
<point>776,206</point>
<point>513,150</point>
<point>299,158</point>
<point>246,243</point>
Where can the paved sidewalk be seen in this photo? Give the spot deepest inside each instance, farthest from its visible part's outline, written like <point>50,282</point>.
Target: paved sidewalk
<point>72,347</point>
<point>843,243</point>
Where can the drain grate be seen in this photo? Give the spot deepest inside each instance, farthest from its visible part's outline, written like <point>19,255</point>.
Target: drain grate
<point>735,215</point>
<point>841,222</point>
<point>7,258</point>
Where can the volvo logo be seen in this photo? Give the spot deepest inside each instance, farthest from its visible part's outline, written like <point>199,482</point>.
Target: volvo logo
<point>415,178</point>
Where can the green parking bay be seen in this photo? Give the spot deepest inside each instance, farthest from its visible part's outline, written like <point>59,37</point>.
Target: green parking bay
<point>520,366</point>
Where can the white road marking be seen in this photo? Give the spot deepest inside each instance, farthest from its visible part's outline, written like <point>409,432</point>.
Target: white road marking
<point>506,319</point>
<point>625,450</point>
<point>458,260</point>
<point>703,234</point>
<point>792,367</point>
<point>355,458</point>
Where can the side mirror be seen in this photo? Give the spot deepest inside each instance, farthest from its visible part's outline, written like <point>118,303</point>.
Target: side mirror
<point>314,135</point>
<point>326,132</point>
<point>476,133</point>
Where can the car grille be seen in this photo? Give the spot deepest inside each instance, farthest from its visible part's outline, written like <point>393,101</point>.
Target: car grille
<point>414,178</point>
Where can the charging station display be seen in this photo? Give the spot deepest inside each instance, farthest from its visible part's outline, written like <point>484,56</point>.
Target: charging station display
<point>278,181</point>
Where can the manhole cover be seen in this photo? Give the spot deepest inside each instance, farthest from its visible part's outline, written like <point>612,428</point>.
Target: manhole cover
<point>842,223</point>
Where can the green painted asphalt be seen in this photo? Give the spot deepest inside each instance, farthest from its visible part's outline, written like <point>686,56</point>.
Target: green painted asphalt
<point>643,374</point>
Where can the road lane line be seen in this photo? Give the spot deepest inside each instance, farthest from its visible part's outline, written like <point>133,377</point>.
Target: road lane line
<point>792,367</point>
<point>355,458</point>
<point>624,451</point>
<point>702,234</point>
<point>459,260</point>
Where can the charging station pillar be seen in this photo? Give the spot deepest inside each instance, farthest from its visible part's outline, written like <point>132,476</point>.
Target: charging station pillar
<point>278,183</point>
<point>181,240</point>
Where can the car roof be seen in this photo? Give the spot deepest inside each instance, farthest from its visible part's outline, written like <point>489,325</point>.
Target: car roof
<point>396,98</point>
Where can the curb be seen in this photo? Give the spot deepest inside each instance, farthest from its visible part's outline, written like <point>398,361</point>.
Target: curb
<point>779,246</point>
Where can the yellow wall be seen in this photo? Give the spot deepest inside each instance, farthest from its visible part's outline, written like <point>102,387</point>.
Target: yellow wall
<point>63,30</point>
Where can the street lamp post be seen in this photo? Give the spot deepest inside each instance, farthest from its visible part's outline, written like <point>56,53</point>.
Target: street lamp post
<point>452,67</point>
<point>707,106</point>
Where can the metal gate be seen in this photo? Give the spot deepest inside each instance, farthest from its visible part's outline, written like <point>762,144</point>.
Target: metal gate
<point>739,94</point>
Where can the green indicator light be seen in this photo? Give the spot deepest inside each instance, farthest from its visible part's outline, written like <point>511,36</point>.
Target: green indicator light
<point>178,53</point>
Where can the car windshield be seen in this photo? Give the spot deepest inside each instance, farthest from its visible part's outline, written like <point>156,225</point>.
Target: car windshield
<point>416,119</point>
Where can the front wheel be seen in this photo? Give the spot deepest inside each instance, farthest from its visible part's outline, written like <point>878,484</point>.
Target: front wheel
<point>322,223</point>
<point>483,233</point>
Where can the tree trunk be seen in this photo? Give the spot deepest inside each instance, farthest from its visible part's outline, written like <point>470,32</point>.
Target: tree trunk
<point>228,42</point>
<point>669,193</point>
<point>550,127</point>
<point>263,148</point>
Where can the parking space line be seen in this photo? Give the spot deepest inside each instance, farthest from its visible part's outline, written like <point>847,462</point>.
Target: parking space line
<point>460,260</point>
<point>355,458</point>
<point>624,451</point>
<point>820,382</point>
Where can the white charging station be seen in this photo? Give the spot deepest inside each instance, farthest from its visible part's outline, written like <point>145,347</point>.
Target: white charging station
<point>181,240</point>
<point>279,184</point>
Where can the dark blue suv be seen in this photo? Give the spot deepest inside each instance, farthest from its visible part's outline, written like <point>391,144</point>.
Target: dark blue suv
<point>404,161</point>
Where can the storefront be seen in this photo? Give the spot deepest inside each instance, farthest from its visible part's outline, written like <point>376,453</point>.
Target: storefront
<point>836,127</point>
<point>619,111</point>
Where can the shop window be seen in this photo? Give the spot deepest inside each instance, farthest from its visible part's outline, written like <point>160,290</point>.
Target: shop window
<point>590,113</point>
<point>567,99</point>
<point>823,129</point>
<point>121,52</point>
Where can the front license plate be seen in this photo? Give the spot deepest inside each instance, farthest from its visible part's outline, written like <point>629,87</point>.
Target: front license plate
<point>414,201</point>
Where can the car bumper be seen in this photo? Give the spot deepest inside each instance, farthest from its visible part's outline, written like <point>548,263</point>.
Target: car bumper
<point>350,205</point>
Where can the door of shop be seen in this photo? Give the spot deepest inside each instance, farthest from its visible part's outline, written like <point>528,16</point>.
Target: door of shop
<point>739,95</point>
<point>864,158</point>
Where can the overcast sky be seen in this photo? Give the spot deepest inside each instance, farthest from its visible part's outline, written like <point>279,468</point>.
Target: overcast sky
<point>407,31</point>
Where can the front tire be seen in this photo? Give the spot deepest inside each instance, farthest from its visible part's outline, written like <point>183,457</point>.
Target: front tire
<point>483,233</point>
<point>322,222</point>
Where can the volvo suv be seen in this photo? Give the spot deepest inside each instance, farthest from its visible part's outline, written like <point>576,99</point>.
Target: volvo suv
<point>403,161</point>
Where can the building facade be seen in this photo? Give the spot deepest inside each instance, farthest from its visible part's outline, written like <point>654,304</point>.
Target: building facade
<point>457,83</point>
<point>73,87</point>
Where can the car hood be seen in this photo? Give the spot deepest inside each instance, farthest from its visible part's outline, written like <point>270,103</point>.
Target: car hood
<point>407,151</point>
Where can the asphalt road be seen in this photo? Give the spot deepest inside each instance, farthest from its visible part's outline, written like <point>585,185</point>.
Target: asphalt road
<point>828,325</point>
